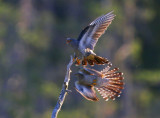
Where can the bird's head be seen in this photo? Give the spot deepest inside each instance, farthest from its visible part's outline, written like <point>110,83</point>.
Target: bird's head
<point>72,42</point>
<point>69,40</point>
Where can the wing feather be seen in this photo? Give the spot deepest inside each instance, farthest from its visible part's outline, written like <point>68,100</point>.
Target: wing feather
<point>87,92</point>
<point>84,37</point>
<point>82,33</point>
<point>112,83</point>
<point>101,25</point>
<point>89,37</point>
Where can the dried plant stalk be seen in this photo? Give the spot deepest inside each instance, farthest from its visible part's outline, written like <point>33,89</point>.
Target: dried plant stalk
<point>63,91</point>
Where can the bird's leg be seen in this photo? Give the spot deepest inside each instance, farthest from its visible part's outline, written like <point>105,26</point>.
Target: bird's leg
<point>94,82</point>
<point>75,57</point>
<point>84,62</point>
<point>78,62</point>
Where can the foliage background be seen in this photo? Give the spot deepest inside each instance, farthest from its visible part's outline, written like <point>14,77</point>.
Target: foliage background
<point>34,55</point>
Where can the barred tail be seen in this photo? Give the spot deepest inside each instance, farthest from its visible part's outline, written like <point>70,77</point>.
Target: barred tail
<point>94,59</point>
<point>113,84</point>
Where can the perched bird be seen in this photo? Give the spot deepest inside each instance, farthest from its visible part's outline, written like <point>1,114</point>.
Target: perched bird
<point>107,82</point>
<point>84,45</point>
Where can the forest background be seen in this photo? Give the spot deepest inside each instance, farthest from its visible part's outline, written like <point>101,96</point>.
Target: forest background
<point>34,56</point>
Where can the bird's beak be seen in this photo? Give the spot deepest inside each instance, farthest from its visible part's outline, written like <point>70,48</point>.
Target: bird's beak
<point>68,41</point>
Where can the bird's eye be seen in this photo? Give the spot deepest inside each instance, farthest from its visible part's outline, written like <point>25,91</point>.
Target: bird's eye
<point>68,41</point>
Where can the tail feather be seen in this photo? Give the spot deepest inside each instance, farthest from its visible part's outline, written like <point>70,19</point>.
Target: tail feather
<point>103,93</point>
<point>100,60</point>
<point>77,62</point>
<point>117,86</point>
<point>113,89</point>
<point>113,84</point>
<point>112,71</point>
<point>107,93</point>
<point>90,62</point>
<point>93,59</point>
<point>115,78</point>
<point>116,82</point>
<point>105,70</point>
<point>111,75</point>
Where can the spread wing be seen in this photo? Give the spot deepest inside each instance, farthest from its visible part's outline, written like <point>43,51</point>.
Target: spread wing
<point>87,92</point>
<point>90,35</point>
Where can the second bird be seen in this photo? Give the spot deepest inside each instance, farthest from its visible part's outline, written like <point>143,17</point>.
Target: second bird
<point>108,83</point>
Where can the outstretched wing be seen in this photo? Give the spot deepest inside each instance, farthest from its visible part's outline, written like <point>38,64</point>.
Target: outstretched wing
<point>90,35</point>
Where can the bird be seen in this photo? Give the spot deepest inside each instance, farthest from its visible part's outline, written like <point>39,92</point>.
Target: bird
<point>84,45</point>
<point>109,83</point>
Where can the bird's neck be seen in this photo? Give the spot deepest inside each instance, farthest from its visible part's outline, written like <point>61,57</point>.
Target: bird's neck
<point>74,43</point>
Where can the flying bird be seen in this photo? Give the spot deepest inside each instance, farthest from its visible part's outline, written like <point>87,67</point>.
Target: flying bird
<point>107,82</point>
<point>84,45</point>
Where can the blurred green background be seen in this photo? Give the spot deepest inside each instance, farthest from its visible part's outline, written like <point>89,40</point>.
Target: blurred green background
<point>34,55</point>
